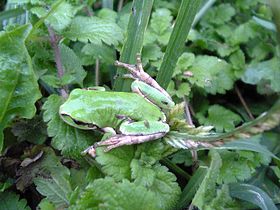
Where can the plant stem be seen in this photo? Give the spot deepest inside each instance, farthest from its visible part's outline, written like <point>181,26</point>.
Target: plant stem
<point>97,72</point>
<point>187,112</point>
<point>120,5</point>
<point>242,100</point>
<point>57,56</point>
<point>190,122</point>
<point>175,168</point>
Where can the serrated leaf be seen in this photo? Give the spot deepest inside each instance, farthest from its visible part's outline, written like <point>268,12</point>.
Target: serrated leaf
<point>72,65</point>
<point>94,30</point>
<point>184,62</point>
<point>212,74</point>
<point>243,33</point>
<point>116,163</point>
<point>11,201</point>
<point>60,18</point>
<point>71,141</point>
<point>108,194</point>
<point>151,52</point>
<point>103,52</point>
<point>161,21</point>
<point>252,194</point>
<point>52,180</point>
<point>267,71</point>
<point>239,165</point>
<point>207,189</point>
<point>159,181</point>
<point>19,88</point>
<point>221,118</point>
<point>219,15</point>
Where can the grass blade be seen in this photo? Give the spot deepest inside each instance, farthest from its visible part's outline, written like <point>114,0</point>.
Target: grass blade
<point>177,40</point>
<point>138,21</point>
<point>252,194</point>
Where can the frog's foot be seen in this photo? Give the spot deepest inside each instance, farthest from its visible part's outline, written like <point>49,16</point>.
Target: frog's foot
<point>90,150</point>
<point>138,72</point>
<point>121,139</point>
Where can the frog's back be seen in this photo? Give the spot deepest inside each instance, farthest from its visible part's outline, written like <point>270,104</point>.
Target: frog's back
<point>105,109</point>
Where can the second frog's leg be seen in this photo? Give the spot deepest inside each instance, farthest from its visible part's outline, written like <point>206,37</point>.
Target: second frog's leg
<point>121,140</point>
<point>138,72</point>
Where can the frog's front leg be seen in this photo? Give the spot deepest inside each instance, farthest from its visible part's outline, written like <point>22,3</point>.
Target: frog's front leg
<point>132,133</point>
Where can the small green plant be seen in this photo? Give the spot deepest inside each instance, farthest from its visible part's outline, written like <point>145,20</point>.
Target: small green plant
<point>220,141</point>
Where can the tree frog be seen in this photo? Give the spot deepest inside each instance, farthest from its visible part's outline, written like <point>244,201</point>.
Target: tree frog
<point>129,117</point>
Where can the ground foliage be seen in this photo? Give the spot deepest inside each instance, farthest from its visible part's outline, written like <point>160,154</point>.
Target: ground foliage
<point>228,73</point>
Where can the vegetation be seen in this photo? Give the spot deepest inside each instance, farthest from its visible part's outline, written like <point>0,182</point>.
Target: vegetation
<point>220,62</point>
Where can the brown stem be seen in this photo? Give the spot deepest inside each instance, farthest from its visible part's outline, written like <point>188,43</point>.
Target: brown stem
<point>120,5</point>
<point>187,112</point>
<point>190,122</point>
<point>242,100</point>
<point>97,72</point>
<point>54,39</point>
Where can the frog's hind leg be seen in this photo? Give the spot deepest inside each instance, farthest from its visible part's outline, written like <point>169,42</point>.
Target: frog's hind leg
<point>121,140</point>
<point>135,133</point>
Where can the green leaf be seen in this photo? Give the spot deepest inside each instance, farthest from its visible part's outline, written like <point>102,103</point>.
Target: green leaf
<point>158,180</point>
<point>184,62</point>
<point>151,52</point>
<point>221,118</point>
<point>239,165</point>
<point>72,65</point>
<point>116,163</point>
<point>103,52</point>
<point>50,177</point>
<point>133,44</point>
<point>267,71</point>
<point>53,180</point>
<point>60,18</point>
<point>252,194</point>
<point>161,21</point>
<point>19,88</point>
<point>219,15</point>
<point>107,14</point>
<point>71,141</point>
<point>108,194</point>
<point>212,74</point>
<point>177,40</point>
<point>160,25</point>
<point>207,189</point>
<point>244,32</point>
<point>95,30</point>
<point>11,201</point>
<point>46,205</point>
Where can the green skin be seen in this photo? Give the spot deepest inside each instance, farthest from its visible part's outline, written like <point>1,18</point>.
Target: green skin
<point>129,118</point>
